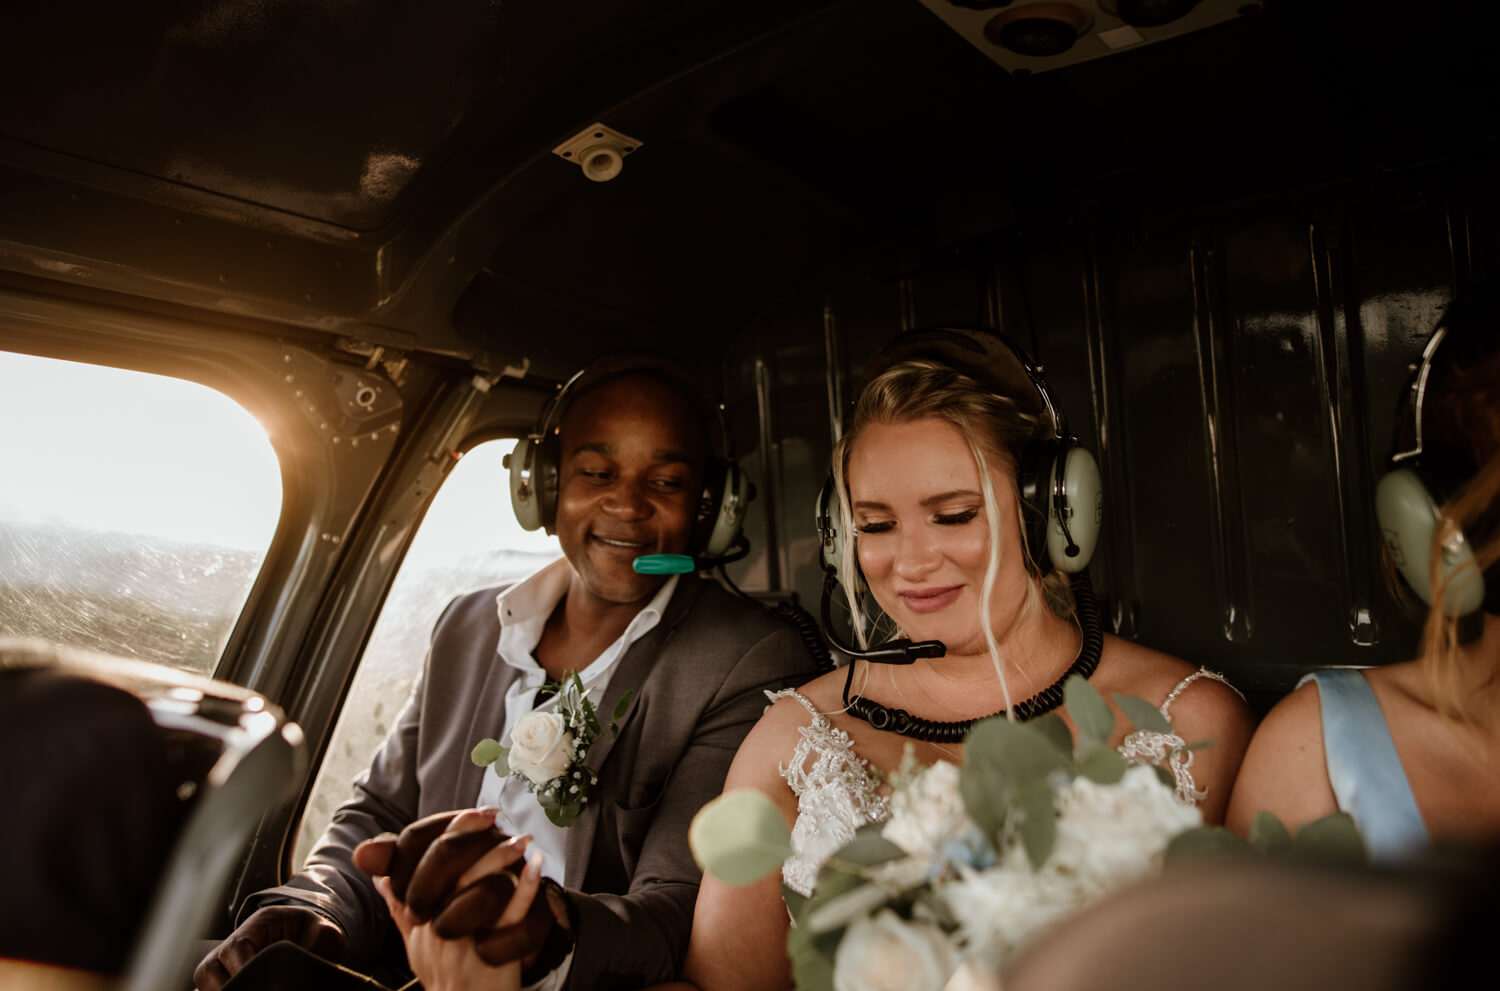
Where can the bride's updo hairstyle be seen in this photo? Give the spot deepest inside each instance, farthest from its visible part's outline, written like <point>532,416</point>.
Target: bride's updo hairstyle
<point>996,429</point>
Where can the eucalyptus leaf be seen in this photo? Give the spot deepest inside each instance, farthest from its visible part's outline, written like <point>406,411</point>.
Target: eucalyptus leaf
<point>1104,766</point>
<point>987,796</point>
<point>1333,838</point>
<point>1268,834</point>
<point>1039,825</point>
<point>812,957</point>
<point>1017,751</point>
<point>1164,776</point>
<point>622,706</point>
<point>1056,731</point>
<point>1205,841</point>
<point>501,765</point>
<point>837,913</point>
<point>1002,760</point>
<point>794,900</point>
<point>1142,714</point>
<point>740,837</point>
<point>1201,744</point>
<point>868,848</point>
<point>564,815</point>
<point>1089,711</point>
<point>812,952</point>
<point>486,752</point>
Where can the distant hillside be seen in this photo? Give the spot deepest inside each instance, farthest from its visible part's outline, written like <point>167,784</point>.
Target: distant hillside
<point>177,603</point>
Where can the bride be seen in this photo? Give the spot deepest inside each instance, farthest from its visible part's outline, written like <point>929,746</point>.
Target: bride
<point>929,482</point>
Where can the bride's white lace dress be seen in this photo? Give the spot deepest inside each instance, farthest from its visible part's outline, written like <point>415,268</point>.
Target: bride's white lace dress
<point>837,792</point>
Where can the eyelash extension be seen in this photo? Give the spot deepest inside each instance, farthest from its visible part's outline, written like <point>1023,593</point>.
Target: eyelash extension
<point>956,519</point>
<point>881,527</point>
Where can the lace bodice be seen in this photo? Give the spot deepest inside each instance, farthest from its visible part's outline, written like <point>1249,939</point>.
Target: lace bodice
<point>837,791</point>
<point>836,794</point>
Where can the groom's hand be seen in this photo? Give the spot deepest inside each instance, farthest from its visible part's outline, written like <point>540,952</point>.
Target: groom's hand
<point>456,870</point>
<point>434,852</point>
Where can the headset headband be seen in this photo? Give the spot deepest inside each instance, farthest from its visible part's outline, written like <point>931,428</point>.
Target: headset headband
<point>1417,394</point>
<point>963,349</point>
<point>717,533</point>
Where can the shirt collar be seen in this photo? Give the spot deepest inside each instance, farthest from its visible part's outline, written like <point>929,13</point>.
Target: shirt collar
<point>524,608</point>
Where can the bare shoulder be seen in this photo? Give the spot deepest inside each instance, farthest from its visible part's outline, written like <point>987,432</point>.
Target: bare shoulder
<point>774,737</point>
<point>1202,709</point>
<point>1201,698</point>
<point>1284,771</point>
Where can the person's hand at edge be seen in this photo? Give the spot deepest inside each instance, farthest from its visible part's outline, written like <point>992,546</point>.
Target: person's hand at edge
<point>299,924</point>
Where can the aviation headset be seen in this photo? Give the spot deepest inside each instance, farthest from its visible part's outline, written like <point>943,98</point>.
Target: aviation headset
<point>1060,488</point>
<point>533,464</point>
<point>1408,500</point>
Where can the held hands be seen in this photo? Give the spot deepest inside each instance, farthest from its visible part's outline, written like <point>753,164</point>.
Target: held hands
<point>311,930</point>
<point>444,962</point>
<point>456,889</point>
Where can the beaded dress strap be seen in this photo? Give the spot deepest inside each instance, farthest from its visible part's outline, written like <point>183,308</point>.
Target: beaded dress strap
<point>806,702</point>
<point>1166,704</point>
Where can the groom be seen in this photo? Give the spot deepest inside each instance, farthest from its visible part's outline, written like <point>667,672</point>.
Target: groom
<point>621,882</point>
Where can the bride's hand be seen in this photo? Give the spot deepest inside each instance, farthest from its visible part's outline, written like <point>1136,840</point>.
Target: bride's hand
<point>454,964</point>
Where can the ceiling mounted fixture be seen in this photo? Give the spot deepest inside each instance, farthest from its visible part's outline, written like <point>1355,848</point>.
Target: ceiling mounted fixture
<point>599,150</point>
<point>1024,37</point>
<point>1038,29</point>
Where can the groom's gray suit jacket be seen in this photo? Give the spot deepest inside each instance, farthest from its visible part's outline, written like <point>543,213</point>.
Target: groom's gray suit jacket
<point>698,679</point>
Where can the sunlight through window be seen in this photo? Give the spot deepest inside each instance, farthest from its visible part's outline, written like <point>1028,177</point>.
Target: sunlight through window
<point>135,510</point>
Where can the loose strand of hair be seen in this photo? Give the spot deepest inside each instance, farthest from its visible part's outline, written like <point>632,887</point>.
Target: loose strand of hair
<point>992,567</point>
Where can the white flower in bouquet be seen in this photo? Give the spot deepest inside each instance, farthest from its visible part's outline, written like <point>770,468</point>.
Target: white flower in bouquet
<point>928,811</point>
<point>541,747</point>
<point>1110,835</point>
<point>885,952</point>
<point>1001,909</point>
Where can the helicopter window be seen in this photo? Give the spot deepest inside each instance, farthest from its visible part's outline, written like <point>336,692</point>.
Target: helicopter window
<point>468,538</point>
<point>135,512</point>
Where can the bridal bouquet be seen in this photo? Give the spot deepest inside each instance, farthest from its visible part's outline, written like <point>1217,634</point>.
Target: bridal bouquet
<point>974,861</point>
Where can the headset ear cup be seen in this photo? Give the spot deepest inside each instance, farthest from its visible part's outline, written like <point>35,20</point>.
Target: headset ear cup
<point>826,522</point>
<point>1084,490</point>
<point>1408,514</point>
<point>726,513</point>
<point>523,494</point>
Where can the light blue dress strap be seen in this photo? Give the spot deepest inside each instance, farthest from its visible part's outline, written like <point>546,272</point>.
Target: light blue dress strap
<point>1364,769</point>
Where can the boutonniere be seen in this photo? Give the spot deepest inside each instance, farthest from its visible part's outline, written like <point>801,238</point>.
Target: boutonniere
<point>548,749</point>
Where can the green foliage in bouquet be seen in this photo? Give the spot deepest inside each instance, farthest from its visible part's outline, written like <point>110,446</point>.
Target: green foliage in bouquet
<point>1333,839</point>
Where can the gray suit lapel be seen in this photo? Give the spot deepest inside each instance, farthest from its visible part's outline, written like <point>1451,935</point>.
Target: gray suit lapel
<point>635,667</point>
<point>488,720</point>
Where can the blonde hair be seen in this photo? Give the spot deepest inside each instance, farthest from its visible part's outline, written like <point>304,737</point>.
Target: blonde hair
<point>995,429</point>
<point>1462,417</point>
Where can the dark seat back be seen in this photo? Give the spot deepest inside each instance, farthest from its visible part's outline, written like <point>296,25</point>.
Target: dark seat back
<point>231,757</point>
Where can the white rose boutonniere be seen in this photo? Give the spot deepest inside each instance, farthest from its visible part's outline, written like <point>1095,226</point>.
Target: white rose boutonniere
<point>541,747</point>
<point>547,751</point>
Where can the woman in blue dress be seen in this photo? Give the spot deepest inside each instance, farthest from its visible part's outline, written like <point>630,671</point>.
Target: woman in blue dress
<point>1412,750</point>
